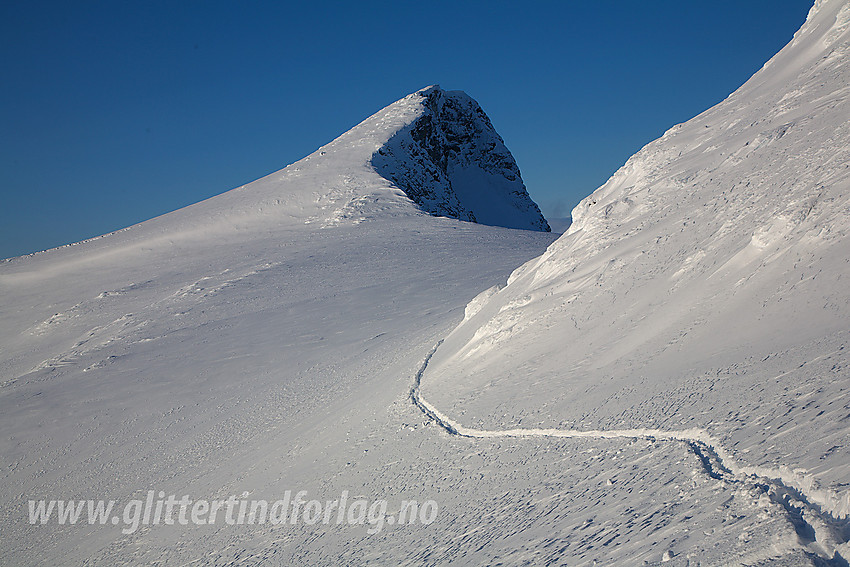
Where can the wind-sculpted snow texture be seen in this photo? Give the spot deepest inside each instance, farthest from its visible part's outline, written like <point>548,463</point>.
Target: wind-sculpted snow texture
<point>702,288</point>
<point>451,162</point>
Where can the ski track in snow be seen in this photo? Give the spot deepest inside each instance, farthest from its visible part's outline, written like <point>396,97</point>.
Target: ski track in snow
<point>819,532</point>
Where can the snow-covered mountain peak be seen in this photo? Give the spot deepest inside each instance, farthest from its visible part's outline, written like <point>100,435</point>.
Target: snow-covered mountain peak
<point>434,151</point>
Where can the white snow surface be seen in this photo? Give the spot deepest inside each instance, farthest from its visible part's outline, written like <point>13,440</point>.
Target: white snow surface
<point>667,383</point>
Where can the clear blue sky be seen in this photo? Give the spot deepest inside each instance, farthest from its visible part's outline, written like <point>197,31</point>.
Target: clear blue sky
<point>116,112</point>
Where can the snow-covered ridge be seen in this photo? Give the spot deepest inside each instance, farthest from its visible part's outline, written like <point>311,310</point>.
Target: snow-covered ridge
<point>702,287</point>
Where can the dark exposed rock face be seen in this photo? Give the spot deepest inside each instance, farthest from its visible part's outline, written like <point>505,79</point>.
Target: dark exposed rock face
<point>451,162</point>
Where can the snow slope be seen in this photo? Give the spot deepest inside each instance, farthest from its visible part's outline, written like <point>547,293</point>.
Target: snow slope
<point>703,288</point>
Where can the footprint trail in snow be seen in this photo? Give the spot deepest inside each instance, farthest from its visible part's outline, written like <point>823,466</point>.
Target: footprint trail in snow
<point>819,532</point>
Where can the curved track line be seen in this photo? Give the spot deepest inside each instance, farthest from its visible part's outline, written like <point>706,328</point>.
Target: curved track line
<point>819,518</point>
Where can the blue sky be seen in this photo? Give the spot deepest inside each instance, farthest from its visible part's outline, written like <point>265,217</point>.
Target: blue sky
<point>116,112</point>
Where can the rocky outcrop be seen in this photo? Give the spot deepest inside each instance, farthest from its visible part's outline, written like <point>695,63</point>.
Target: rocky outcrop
<point>451,162</point>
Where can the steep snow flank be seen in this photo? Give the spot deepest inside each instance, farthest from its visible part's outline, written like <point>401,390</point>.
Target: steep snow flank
<point>703,286</point>
<point>451,162</point>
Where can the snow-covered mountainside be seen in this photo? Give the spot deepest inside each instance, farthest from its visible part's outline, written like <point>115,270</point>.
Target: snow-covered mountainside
<point>261,341</point>
<point>451,162</point>
<point>703,288</point>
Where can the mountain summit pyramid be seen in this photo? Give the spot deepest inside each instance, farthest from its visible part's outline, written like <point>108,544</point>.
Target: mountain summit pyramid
<point>434,152</point>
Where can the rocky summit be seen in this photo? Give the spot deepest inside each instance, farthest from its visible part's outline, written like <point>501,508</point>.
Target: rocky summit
<point>452,162</point>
